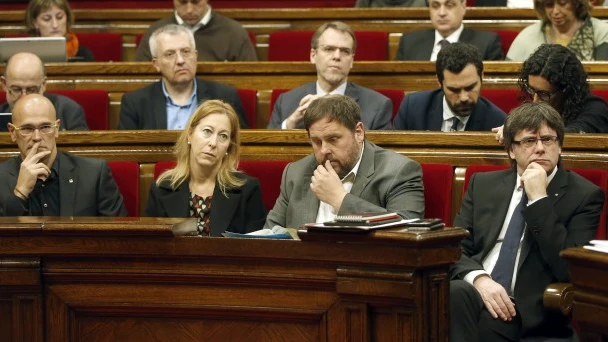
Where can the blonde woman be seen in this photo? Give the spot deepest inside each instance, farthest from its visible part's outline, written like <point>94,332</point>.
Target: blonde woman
<point>204,183</point>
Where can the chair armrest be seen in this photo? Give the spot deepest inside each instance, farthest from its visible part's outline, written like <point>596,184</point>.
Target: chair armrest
<point>558,297</point>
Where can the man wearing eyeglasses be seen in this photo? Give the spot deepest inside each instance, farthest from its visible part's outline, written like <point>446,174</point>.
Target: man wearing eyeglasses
<point>43,181</point>
<point>24,74</point>
<point>332,52</point>
<point>519,221</point>
<point>553,74</point>
<point>168,103</point>
<point>218,38</point>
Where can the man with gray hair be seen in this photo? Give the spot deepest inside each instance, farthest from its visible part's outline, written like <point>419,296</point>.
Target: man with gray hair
<point>218,38</point>
<point>345,174</point>
<point>332,52</point>
<point>24,74</point>
<point>168,103</point>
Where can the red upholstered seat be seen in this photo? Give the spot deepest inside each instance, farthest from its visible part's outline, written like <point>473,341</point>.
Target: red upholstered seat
<point>249,99</point>
<point>95,104</point>
<point>126,175</point>
<point>268,172</point>
<point>603,93</point>
<point>506,39</point>
<point>438,180</point>
<point>505,99</point>
<point>104,45</point>
<point>295,46</point>
<point>595,176</point>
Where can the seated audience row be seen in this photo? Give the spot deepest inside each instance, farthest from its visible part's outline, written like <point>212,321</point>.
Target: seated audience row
<point>498,283</point>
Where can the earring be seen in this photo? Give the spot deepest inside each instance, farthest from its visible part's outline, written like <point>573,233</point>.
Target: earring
<point>226,153</point>
<point>188,142</point>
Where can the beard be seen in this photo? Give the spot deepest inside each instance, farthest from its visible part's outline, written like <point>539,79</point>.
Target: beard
<point>462,109</point>
<point>346,166</point>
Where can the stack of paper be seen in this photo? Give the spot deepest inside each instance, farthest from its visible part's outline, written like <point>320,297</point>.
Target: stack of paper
<point>598,245</point>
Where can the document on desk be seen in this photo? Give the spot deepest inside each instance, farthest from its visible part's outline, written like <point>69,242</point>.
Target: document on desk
<point>598,246</point>
<point>351,228</point>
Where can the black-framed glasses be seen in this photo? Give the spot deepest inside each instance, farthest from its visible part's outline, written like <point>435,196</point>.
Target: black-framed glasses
<point>543,95</point>
<point>27,130</point>
<point>531,142</point>
<point>16,91</point>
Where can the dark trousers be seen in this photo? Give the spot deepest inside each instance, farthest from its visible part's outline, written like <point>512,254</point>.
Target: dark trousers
<point>471,322</point>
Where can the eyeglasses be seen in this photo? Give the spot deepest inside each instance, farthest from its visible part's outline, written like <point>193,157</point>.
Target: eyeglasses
<point>329,49</point>
<point>17,91</point>
<point>185,53</point>
<point>531,142</point>
<point>28,130</point>
<point>544,96</point>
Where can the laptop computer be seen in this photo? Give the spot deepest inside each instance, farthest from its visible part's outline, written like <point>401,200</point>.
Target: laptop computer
<point>49,49</point>
<point>5,118</point>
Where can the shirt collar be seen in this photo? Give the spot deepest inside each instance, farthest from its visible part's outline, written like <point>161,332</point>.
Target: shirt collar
<point>448,114</point>
<point>338,91</point>
<point>168,97</point>
<point>350,177</point>
<point>453,38</point>
<point>204,20</point>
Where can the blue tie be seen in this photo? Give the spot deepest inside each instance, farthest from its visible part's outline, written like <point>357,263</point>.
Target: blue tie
<point>455,122</point>
<point>503,270</point>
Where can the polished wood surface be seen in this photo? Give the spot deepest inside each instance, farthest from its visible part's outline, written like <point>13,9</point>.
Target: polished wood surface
<point>263,21</point>
<point>589,274</point>
<point>142,284</point>
<point>459,149</point>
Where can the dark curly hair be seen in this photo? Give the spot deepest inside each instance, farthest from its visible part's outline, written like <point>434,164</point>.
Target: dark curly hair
<point>455,57</point>
<point>560,67</point>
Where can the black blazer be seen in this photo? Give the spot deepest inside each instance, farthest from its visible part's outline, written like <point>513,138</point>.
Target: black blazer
<point>418,45</point>
<point>146,108</point>
<point>242,211</point>
<point>568,217</point>
<point>423,111</point>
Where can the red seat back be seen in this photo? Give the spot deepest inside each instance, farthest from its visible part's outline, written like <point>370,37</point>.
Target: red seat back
<point>249,99</point>
<point>95,104</point>
<point>105,46</point>
<point>295,46</point>
<point>597,177</point>
<point>268,172</point>
<point>396,97</point>
<point>438,180</point>
<point>506,39</point>
<point>505,99</point>
<point>126,175</point>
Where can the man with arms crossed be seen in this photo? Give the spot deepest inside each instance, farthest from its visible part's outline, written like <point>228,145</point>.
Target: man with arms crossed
<point>519,221</point>
<point>24,74</point>
<point>168,103</point>
<point>345,174</point>
<point>43,181</point>
<point>332,52</point>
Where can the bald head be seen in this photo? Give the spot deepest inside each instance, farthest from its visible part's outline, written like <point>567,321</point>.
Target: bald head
<point>33,105</point>
<point>24,74</point>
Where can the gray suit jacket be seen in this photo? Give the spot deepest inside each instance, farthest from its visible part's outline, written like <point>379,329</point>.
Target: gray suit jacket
<point>386,181</point>
<point>86,188</point>
<point>376,109</point>
<point>418,45</point>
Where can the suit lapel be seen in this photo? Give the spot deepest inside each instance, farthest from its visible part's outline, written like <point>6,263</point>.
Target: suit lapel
<point>424,51</point>
<point>310,203</point>
<point>68,185</point>
<point>352,92</point>
<point>13,173</point>
<point>435,113</point>
<point>475,122</point>
<point>555,192</point>
<point>173,201</point>
<point>220,220</point>
<point>159,107</point>
<point>366,170</point>
<point>466,36</point>
<point>502,201</point>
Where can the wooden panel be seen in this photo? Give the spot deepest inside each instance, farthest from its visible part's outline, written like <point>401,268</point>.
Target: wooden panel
<point>130,279</point>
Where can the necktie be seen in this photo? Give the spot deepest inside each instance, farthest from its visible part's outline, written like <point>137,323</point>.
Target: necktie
<point>455,122</point>
<point>503,270</point>
<point>443,43</point>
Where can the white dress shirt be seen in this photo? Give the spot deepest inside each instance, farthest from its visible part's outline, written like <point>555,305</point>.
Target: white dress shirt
<point>453,38</point>
<point>446,126</point>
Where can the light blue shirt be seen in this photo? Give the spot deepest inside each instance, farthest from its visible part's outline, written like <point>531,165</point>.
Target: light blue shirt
<point>177,116</point>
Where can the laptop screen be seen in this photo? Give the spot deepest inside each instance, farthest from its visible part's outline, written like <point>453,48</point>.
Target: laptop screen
<point>49,49</point>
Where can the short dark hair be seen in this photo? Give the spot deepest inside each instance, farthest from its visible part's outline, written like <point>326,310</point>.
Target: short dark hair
<point>336,25</point>
<point>560,67</point>
<point>531,116</point>
<point>582,9</point>
<point>341,108</point>
<point>455,57</point>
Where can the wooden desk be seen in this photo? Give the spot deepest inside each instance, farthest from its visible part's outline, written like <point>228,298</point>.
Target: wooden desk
<point>589,274</point>
<point>131,280</point>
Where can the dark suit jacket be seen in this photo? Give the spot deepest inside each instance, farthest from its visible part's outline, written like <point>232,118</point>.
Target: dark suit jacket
<point>376,109</point>
<point>146,108</point>
<point>386,181</point>
<point>418,45</point>
<point>423,111</point>
<point>242,211</point>
<point>568,217</point>
<point>69,112</point>
<point>86,188</point>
